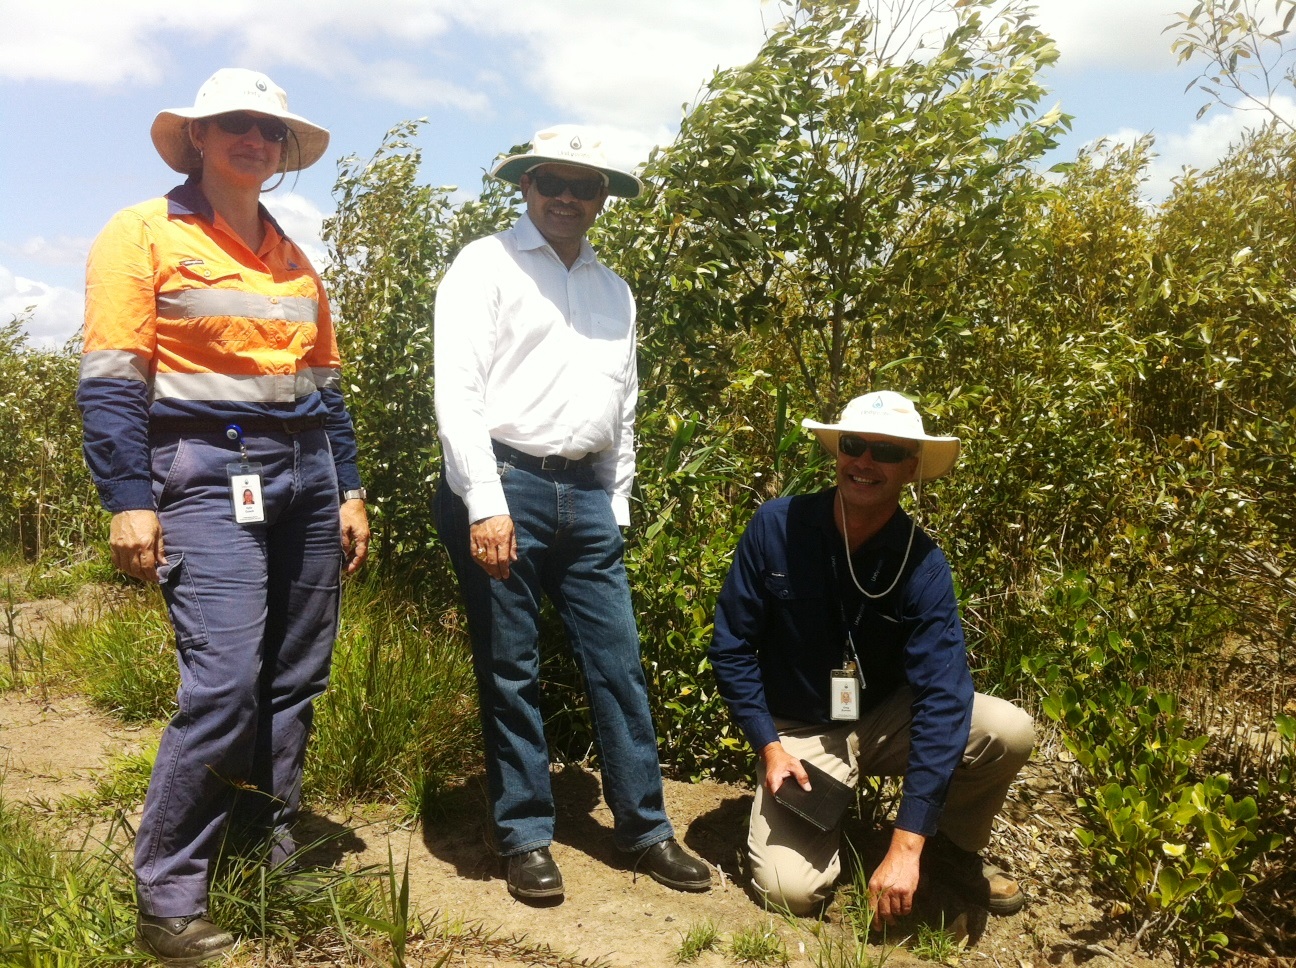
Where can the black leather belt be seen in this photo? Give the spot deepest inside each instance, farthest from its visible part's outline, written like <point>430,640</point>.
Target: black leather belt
<point>552,462</point>
<point>249,425</point>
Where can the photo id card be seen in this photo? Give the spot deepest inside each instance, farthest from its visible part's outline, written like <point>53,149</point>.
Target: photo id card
<point>245,492</point>
<point>843,695</point>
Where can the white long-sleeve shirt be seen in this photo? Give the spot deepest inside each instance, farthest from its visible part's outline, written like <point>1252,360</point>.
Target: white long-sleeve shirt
<point>536,356</point>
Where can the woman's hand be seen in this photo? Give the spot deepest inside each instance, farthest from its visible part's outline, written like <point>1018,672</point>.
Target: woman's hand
<point>355,534</point>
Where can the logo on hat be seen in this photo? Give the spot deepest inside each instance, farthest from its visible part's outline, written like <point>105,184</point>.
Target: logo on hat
<point>260,85</point>
<point>576,144</point>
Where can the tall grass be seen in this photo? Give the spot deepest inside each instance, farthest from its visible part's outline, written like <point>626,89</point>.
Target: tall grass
<point>397,723</point>
<point>399,719</point>
<point>58,904</point>
<point>121,655</point>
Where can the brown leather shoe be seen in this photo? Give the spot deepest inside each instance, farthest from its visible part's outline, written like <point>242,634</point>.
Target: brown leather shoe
<point>190,940</point>
<point>975,880</point>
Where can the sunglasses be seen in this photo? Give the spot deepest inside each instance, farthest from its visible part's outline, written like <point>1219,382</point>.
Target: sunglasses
<point>551,186</point>
<point>882,453</point>
<point>238,122</point>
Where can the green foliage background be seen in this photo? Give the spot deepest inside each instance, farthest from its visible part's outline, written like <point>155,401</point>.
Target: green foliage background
<point>844,214</point>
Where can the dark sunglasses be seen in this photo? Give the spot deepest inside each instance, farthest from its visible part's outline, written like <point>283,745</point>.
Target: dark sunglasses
<point>238,122</point>
<point>882,453</point>
<point>551,186</point>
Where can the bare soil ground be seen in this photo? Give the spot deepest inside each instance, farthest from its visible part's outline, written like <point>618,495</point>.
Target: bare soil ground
<point>51,747</point>
<point>55,745</point>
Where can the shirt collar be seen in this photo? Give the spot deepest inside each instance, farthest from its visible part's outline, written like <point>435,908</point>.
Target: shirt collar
<point>529,237</point>
<point>188,199</point>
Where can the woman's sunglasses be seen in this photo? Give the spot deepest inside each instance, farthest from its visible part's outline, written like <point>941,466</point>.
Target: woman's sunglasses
<point>551,186</point>
<point>883,453</point>
<point>239,122</point>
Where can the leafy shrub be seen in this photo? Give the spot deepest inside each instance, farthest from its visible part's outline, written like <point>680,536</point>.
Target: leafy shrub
<point>48,505</point>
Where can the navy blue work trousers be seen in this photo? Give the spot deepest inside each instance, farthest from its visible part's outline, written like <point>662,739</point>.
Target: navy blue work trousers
<point>255,611</point>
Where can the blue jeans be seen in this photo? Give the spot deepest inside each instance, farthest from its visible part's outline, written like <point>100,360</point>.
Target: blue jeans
<point>255,611</point>
<point>569,548</point>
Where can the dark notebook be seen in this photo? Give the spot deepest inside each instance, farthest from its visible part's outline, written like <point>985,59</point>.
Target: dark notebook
<point>823,804</point>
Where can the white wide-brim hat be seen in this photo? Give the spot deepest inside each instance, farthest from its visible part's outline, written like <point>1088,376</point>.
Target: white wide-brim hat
<point>891,415</point>
<point>568,144</point>
<point>236,89</point>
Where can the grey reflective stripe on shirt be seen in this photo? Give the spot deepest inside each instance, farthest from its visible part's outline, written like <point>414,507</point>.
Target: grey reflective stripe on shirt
<point>326,377</point>
<point>193,303</point>
<point>114,365</point>
<point>264,388</point>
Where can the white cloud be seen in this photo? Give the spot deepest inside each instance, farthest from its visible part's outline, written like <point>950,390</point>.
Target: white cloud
<point>631,64</point>
<point>404,84</point>
<point>1203,145</point>
<point>1118,34</point>
<point>62,250</point>
<point>56,312</point>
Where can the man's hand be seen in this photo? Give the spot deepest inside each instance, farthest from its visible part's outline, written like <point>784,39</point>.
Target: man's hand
<point>892,886</point>
<point>493,545</point>
<point>355,534</point>
<point>136,541</point>
<point>779,766</point>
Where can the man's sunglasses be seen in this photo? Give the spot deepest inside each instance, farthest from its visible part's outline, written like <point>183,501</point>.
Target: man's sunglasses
<point>883,453</point>
<point>551,186</point>
<point>239,122</point>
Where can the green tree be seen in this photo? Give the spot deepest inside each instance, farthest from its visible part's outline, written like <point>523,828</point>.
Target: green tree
<point>390,241</point>
<point>821,193</point>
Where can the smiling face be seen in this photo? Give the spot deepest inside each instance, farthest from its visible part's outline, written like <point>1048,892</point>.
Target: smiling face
<point>565,219</point>
<point>244,161</point>
<point>870,488</point>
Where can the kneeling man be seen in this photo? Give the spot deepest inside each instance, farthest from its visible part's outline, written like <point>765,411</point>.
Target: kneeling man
<point>838,642</point>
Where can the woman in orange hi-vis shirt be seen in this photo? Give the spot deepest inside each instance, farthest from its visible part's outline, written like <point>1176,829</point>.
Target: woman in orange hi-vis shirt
<point>216,432</point>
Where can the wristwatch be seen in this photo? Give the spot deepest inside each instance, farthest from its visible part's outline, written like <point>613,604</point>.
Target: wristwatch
<point>355,494</point>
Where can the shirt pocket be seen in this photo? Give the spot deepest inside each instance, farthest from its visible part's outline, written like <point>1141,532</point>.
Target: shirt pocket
<point>794,595</point>
<point>208,275</point>
<point>206,308</point>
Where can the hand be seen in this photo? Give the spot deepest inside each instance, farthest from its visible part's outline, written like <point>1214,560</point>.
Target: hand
<point>136,541</point>
<point>355,534</point>
<point>779,766</point>
<point>493,545</point>
<point>892,886</point>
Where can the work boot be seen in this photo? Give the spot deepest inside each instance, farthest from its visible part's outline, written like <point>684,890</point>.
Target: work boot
<point>670,864</point>
<point>972,878</point>
<point>534,875</point>
<point>190,940</point>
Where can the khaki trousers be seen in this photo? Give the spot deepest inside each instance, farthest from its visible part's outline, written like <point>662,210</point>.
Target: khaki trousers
<point>794,865</point>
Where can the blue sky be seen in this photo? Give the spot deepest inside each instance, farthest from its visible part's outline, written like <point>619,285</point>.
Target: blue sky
<point>80,82</point>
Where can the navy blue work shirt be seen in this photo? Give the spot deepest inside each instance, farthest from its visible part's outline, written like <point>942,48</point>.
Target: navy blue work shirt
<point>780,629</point>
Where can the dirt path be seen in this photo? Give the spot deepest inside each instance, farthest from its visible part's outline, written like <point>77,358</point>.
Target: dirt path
<point>51,749</point>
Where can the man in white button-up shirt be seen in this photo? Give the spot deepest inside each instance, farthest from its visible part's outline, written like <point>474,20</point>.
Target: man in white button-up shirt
<point>535,396</point>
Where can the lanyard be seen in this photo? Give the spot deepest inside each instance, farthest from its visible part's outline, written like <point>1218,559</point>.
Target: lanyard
<point>850,653</point>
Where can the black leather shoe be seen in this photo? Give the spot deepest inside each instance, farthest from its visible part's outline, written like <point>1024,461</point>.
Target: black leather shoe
<point>189,940</point>
<point>534,874</point>
<point>670,864</point>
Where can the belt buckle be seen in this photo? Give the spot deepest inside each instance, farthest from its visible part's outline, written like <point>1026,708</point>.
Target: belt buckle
<point>552,462</point>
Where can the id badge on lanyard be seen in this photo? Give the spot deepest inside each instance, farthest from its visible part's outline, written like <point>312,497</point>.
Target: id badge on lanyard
<point>247,496</point>
<point>245,492</point>
<point>844,686</point>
